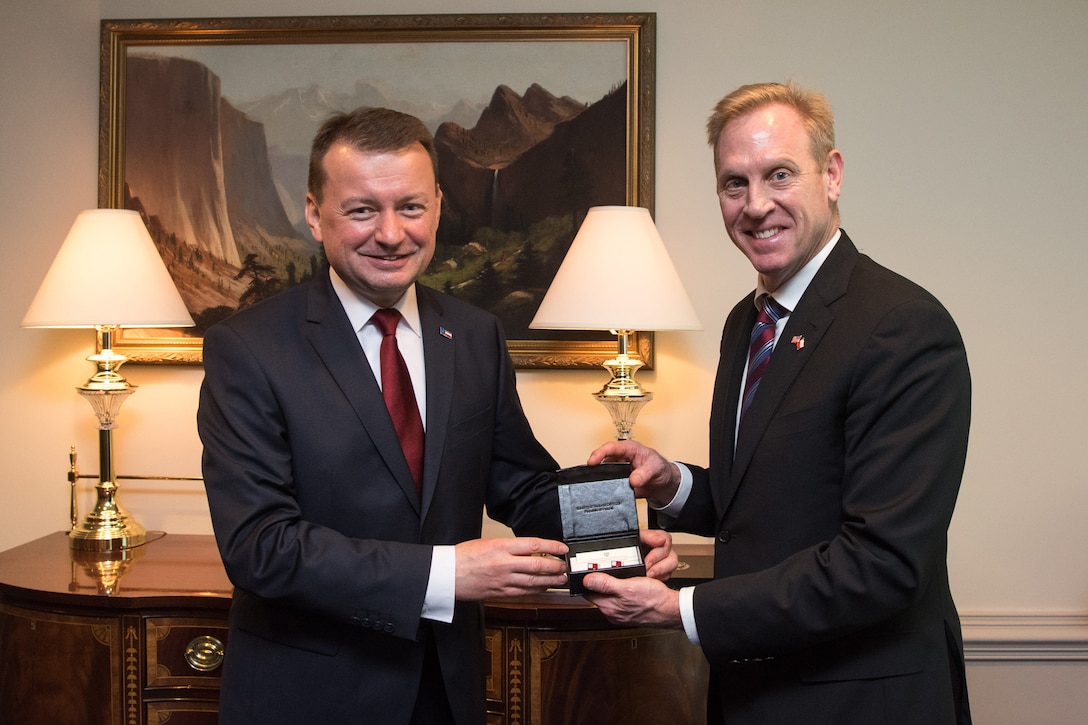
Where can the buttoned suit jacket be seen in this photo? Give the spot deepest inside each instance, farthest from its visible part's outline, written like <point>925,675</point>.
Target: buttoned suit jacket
<point>831,602</point>
<point>317,518</point>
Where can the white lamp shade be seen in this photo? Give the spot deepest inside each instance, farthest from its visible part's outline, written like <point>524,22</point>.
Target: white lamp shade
<point>617,275</point>
<point>108,272</point>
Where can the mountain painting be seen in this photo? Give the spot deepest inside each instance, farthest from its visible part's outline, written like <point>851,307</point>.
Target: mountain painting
<point>529,136</point>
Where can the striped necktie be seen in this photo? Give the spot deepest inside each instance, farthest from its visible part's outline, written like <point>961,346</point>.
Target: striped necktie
<point>759,350</point>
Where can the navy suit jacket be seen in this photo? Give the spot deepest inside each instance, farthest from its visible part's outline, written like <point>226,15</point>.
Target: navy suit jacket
<point>830,602</point>
<point>317,518</point>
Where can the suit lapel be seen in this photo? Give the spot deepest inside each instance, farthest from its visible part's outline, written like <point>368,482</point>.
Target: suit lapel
<point>732,359</point>
<point>332,338</point>
<point>810,321</point>
<point>438,356</point>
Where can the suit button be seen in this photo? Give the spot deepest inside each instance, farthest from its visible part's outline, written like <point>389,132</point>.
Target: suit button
<point>724,536</point>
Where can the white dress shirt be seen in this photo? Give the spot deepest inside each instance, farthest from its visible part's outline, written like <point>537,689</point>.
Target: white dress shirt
<point>439,600</point>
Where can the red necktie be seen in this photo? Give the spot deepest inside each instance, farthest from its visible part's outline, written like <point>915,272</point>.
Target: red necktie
<point>759,351</point>
<point>399,395</point>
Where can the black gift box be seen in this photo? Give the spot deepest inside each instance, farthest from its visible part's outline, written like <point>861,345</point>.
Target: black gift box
<point>600,522</point>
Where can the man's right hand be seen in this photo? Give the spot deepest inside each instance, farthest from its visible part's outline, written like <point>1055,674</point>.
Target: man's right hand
<point>488,568</point>
<point>652,477</point>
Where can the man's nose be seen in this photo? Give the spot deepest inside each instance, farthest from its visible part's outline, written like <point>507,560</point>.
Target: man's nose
<point>390,229</point>
<point>758,202</point>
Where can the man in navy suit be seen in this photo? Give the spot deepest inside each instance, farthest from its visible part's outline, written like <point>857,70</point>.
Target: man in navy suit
<point>829,493</point>
<point>357,587</point>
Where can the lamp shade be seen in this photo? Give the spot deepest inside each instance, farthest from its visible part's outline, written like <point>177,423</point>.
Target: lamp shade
<point>616,275</point>
<point>108,272</point>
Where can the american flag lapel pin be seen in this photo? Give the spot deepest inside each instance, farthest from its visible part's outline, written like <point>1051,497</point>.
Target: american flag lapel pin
<point>445,333</point>
<point>798,341</point>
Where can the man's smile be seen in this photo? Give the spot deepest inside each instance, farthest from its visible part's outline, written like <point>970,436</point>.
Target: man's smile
<point>767,233</point>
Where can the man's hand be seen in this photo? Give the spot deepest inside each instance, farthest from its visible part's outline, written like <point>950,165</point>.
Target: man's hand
<point>661,561</point>
<point>489,568</point>
<point>639,601</point>
<point>652,477</point>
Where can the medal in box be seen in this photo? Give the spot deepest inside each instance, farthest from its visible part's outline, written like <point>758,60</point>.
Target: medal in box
<point>600,522</point>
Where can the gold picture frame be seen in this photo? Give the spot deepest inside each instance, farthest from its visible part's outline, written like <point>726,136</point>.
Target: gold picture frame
<point>138,112</point>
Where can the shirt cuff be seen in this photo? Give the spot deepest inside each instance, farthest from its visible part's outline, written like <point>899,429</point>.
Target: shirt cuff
<point>441,585</point>
<point>687,614</point>
<point>673,508</point>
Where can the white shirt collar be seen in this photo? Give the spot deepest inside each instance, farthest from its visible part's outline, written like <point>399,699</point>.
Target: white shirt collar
<point>789,294</point>
<point>359,309</point>
<point>409,336</point>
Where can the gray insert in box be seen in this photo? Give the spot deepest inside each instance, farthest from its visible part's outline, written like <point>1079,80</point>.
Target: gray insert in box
<point>592,509</point>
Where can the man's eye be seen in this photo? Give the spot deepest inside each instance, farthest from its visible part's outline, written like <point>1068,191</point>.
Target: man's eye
<point>731,186</point>
<point>781,176</point>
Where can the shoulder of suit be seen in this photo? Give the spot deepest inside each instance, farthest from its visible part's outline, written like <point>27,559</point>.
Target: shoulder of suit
<point>886,283</point>
<point>273,310</point>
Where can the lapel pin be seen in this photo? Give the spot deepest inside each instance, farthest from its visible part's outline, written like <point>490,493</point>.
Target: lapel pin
<point>798,341</point>
<point>445,333</point>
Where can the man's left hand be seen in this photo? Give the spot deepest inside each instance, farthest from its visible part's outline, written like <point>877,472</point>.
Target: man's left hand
<point>639,601</point>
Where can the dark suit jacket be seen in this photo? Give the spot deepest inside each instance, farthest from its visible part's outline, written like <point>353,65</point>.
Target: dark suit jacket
<point>317,518</point>
<point>830,602</point>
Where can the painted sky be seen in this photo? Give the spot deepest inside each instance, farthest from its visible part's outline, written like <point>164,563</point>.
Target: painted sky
<point>439,72</point>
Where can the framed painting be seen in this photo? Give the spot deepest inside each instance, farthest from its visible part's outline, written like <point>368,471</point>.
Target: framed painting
<point>206,127</point>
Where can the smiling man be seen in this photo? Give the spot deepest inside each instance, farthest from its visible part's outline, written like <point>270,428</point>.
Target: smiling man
<point>355,427</point>
<point>778,190</point>
<point>835,457</point>
<point>376,214</point>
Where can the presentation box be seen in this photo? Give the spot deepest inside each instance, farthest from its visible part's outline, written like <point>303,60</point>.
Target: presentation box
<point>600,523</point>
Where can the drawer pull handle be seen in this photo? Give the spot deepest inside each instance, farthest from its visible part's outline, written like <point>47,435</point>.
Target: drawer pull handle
<point>205,653</point>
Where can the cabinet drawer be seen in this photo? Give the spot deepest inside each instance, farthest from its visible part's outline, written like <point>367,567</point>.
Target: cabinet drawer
<point>182,712</point>
<point>184,651</point>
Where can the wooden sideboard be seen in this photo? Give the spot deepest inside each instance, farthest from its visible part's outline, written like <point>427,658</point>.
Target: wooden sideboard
<point>123,638</point>
<point>555,660</point>
<point>136,638</point>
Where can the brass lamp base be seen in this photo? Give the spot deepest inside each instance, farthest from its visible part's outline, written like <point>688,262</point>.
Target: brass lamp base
<point>108,527</point>
<point>622,395</point>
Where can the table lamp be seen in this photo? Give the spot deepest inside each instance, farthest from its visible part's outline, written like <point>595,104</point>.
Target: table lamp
<point>107,275</point>
<point>617,276</point>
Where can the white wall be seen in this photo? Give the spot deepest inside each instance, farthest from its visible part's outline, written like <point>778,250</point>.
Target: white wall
<point>962,125</point>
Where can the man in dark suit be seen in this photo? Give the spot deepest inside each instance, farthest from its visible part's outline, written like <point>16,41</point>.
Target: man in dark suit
<point>830,493</point>
<point>358,575</point>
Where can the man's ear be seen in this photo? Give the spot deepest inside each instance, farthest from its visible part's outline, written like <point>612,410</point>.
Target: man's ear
<point>834,175</point>
<point>313,217</point>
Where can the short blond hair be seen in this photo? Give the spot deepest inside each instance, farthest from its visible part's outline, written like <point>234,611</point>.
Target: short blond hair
<point>811,106</point>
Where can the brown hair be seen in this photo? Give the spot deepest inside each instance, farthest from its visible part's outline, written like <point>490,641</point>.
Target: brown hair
<point>367,129</point>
